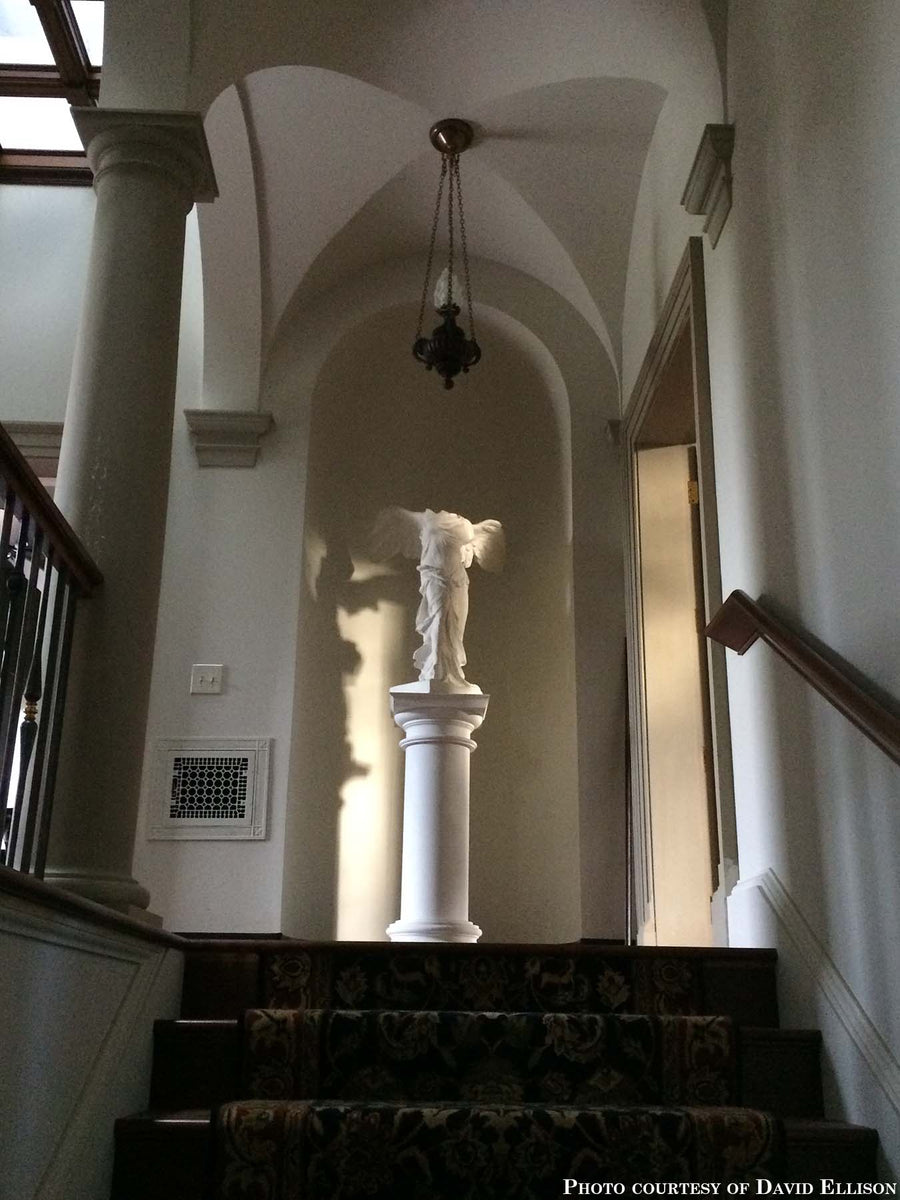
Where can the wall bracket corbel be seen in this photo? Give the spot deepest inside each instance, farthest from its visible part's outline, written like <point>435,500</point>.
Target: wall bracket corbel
<point>227,438</point>
<point>708,189</point>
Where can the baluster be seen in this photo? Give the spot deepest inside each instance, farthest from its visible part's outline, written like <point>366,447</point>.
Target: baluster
<point>54,601</point>
<point>22,831</point>
<point>54,704</point>
<point>9,504</point>
<point>10,672</point>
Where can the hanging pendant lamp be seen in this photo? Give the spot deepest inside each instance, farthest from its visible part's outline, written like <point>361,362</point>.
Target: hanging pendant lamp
<point>448,351</point>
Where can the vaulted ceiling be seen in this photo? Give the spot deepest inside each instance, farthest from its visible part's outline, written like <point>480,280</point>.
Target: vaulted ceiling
<point>318,119</point>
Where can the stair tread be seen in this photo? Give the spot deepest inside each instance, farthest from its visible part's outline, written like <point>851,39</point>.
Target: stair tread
<point>157,1117</point>
<point>601,949</point>
<point>776,1033</point>
<point>798,1128</point>
<point>794,1126</point>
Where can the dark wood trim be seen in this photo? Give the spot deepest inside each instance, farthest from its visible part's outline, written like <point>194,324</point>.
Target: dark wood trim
<point>67,47</point>
<point>52,167</point>
<point>32,493</point>
<point>27,887</point>
<point>741,621</point>
<point>675,315</point>
<point>23,80</point>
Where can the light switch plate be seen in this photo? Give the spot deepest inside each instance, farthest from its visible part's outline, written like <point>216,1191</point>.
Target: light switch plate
<point>206,679</point>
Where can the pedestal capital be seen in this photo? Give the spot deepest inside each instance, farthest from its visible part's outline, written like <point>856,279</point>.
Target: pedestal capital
<point>409,703</point>
<point>169,143</point>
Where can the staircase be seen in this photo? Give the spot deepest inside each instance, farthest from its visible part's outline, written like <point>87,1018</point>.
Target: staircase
<point>303,1071</point>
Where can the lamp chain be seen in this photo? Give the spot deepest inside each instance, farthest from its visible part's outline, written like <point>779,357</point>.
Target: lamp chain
<point>454,160</point>
<point>465,249</point>
<point>434,225</point>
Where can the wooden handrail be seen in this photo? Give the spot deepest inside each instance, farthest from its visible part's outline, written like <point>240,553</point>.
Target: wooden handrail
<point>17,473</point>
<point>740,621</point>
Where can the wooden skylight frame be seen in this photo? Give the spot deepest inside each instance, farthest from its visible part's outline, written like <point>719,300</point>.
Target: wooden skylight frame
<point>72,77</point>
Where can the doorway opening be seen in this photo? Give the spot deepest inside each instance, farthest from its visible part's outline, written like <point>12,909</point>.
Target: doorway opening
<point>683,848</point>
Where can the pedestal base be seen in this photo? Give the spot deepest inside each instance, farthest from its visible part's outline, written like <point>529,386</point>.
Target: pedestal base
<point>433,931</point>
<point>438,721</point>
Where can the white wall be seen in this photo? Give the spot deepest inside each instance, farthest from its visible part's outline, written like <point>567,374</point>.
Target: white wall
<point>804,307</point>
<point>45,239</point>
<point>661,226</point>
<point>78,1001</point>
<point>230,580</point>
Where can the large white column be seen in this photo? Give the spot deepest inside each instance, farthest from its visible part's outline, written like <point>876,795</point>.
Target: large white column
<point>149,168</point>
<point>434,890</point>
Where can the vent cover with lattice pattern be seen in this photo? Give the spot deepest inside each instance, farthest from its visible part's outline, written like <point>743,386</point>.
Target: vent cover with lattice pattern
<point>210,788</point>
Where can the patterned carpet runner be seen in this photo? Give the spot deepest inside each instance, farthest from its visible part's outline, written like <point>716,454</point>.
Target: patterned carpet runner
<point>536,1058</point>
<point>494,1105</point>
<point>291,1150</point>
<point>344,975</point>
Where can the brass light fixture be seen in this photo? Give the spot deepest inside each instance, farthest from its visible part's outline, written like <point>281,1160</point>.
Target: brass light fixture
<point>448,350</point>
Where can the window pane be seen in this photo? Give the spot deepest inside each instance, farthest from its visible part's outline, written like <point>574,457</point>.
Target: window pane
<point>21,36</point>
<point>36,123</point>
<point>89,15</point>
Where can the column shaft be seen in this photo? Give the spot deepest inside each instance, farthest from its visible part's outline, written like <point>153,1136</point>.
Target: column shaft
<point>113,483</point>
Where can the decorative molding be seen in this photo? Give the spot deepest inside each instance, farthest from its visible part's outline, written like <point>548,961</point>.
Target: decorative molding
<point>129,136</point>
<point>225,781</point>
<point>683,314</point>
<point>708,189</point>
<point>39,443</point>
<point>841,998</point>
<point>227,438</point>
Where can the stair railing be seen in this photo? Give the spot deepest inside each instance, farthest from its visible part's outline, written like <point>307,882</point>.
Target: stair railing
<point>741,621</point>
<point>44,570</point>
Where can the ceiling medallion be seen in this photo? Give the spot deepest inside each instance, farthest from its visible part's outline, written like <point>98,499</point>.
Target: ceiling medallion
<point>448,350</point>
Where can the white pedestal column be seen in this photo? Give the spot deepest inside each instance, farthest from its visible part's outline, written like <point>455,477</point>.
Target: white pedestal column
<point>434,894</point>
<point>149,168</point>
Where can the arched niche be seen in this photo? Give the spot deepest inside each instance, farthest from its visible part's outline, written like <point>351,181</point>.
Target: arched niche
<point>307,353</point>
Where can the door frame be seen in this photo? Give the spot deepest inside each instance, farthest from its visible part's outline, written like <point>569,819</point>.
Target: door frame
<point>685,308</point>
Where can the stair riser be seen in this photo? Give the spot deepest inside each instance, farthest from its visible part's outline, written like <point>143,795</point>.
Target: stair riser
<point>175,1163</point>
<point>221,983</point>
<point>198,1065</point>
<point>195,1064</point>
<point>780,1071</point>
<point>162,1162</point>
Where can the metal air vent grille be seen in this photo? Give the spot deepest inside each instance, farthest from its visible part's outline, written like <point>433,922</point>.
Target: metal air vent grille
<point>207,788</point>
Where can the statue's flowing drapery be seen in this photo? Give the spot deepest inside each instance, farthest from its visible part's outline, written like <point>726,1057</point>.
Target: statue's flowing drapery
<point>446,545</point>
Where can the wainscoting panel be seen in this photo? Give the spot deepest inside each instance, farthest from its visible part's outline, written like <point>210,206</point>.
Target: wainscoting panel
<point>861,1067</point>
<point>78,1002</point>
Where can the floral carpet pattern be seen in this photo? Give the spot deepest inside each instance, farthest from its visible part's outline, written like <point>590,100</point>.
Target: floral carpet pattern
<point>292,1150</point>
<point>338,977</point>
<point>413,1073</point>
<point>539,1058</point>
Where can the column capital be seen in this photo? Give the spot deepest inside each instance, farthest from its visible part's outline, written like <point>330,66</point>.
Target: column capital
<point>170,143</point>
<point>435,700</point>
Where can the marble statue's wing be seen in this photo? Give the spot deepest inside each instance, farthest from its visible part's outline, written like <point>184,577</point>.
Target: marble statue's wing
<point>396,531</point>
<point>490,545</point>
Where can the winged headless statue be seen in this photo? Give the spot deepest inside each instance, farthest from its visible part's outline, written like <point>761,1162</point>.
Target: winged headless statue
<point>445,545</point>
